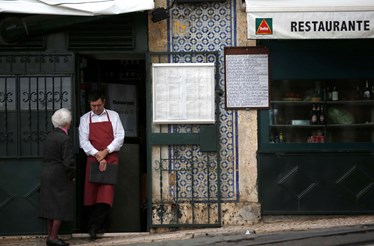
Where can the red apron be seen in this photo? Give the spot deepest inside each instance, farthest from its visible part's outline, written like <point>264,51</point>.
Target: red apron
<point>100,136</point>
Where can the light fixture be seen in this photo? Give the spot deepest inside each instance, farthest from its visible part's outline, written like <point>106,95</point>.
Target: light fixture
<point>199,1</point>
<point>244,5</point>
<point>159,14</point>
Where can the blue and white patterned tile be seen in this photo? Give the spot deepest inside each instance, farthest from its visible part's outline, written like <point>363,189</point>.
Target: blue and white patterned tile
<point>204,27</point>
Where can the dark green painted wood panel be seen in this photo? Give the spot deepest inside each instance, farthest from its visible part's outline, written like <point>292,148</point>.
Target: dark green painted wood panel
<point>328,183</point>
<point>206,138</point>
<point>19,197</point>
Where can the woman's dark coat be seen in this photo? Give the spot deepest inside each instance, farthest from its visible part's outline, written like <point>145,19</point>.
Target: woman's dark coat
<point>57,179</point>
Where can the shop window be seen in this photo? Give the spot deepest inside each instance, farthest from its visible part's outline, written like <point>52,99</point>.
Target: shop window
<point>321,111</point>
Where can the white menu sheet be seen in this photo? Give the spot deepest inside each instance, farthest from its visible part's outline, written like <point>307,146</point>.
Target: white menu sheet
<point>183,93</point>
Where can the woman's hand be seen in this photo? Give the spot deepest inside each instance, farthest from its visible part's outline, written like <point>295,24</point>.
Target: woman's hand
<point>102,166</point>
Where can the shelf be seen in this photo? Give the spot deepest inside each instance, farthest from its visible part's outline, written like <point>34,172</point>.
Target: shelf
<point>297,126</point>
<point>351,125</point>
<point>322,126</point>
<point>298,100</point>
<point>352,102</point>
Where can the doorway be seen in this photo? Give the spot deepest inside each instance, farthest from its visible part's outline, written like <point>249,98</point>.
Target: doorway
<point>123,81</point>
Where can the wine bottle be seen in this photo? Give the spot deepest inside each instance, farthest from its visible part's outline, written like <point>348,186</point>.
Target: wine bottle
<point>318,111</point>
<point>314,117</point>
<point>358,93</point>
<point>366,93</point>
<point>275,116</point>
<point>329,94</point>
<point>335,94</point>
<point>322,116</point>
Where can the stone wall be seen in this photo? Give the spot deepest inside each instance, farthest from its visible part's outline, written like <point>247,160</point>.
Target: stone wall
<point>184,31</point>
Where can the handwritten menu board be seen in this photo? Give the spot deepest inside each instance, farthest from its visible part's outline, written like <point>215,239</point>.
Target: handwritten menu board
<point>183,93</point>
<point>246,77</point>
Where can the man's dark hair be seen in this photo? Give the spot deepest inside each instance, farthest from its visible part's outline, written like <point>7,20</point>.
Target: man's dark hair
<point>96,95</point>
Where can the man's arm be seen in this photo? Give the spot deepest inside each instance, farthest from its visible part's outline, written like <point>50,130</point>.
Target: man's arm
<point>83,136</point>
<point>119,133</point>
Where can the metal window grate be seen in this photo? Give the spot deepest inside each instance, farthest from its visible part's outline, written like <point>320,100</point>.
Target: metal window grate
<point>111,33</point>
<point>26,105</point>
<point>30,43</point>
<point>32,86</point>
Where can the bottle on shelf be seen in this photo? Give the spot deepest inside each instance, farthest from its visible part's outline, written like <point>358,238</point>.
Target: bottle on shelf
<point>271,117</point>
<point>318,110</point>
<point>318,93</point>
<point>320,138</point>
<point>372,91</point>
<point>366,93</point>
<point>275,116</point>
<point>272,138</point>
<point>357,93</point>
<point>335,94</point>
<point>314,116</point>
<point>276,139</point>
<point>329,94</point>
<point>321,118</point>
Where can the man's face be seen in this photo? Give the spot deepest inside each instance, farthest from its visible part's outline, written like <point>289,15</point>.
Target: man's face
<point>97,106</point>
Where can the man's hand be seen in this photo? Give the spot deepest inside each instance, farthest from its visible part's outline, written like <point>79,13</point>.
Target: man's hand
<point>101,154</point>
<point>102,166</point>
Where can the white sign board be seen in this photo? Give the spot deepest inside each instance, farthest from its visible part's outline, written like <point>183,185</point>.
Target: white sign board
<point>246,77</point>
<point>183,93</point>
<point>310,19</point>
<point>123,100</point>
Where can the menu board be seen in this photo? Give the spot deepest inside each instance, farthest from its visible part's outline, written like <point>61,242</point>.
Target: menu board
<point>183,93</point>
<point>246,77</point>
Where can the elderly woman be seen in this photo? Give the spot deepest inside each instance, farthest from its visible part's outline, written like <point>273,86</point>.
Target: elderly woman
<point>58,176</point>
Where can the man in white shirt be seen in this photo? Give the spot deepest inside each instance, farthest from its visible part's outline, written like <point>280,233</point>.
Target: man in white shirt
<point>101,136</point>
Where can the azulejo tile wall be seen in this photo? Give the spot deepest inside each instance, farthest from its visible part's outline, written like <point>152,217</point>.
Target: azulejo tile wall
<point>202,27</point>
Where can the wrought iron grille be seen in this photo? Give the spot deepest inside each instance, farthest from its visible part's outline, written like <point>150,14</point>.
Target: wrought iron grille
<point>26,106</point>
<point>188,187</point>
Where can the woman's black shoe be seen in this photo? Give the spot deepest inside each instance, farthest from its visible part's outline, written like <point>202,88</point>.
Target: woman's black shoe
<point>57,242</point>
<point>92,233</point>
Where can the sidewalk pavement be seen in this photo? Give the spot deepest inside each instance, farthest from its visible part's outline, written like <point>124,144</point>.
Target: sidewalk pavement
<point>268,224</point>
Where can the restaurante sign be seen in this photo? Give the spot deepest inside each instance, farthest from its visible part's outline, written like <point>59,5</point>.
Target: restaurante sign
<point>306,19</point>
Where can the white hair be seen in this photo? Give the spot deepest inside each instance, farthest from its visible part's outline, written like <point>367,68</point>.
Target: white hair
<point>61,117</point>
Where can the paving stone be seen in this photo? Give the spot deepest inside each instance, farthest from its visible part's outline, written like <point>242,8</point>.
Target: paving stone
<point>268,224</point>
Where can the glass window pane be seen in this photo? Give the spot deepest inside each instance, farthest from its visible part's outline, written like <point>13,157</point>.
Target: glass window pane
<point>331,111</point>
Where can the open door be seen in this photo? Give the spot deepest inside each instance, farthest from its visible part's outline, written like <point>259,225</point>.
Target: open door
<point>124,84</point>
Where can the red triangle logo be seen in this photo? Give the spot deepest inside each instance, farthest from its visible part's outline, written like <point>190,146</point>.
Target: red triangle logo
<point>264,28</point>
